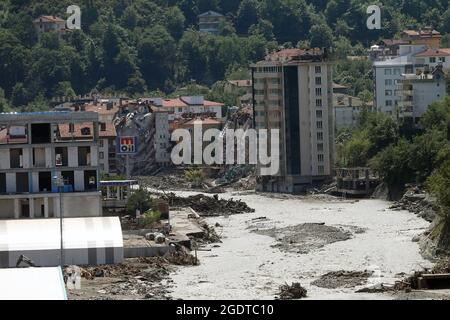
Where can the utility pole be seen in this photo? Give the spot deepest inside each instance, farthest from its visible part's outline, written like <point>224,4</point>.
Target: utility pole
<point>59,182</point>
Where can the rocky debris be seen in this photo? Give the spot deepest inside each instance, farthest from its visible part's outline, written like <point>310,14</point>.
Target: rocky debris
<point>208,206</point>
<point>305,237</point>
<point>417,201</point>
<point>238,177</point>
<point>329,188</point>
<point>293,291</point>
<point>210,235</point>
<point>181,257</point>
<point>411,282</point>
<point>342,279</point>
<point>378,288</point>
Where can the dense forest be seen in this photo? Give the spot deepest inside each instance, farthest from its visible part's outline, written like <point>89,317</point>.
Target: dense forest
<point>140,46</point>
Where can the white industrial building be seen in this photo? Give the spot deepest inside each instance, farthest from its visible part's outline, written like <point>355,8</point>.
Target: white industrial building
<point>32,284</point>
<point>86,241</point>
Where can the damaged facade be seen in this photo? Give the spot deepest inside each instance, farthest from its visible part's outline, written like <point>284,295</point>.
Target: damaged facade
<point>36,147</point>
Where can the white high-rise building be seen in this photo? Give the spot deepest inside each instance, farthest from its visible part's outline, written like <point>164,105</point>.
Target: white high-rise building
<point>292,92</point>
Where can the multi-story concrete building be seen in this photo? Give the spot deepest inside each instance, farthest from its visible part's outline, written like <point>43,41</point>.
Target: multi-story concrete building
<point>347,110</point>
<point>161,137</point>
<point>293,93</point>
<point>210,21</point>
<point>34,151</point>
<point>418,91</point>
<point>416,51</point>
<point>106,111</point>
<point>185,105</point>
<point>45,24</point>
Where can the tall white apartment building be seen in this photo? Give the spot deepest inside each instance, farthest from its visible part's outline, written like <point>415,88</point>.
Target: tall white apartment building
<point>292,92</point>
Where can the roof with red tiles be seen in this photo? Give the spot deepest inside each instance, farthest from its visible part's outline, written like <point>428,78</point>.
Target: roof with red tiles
<point>52,19</point>
<point>434,53</point>
<point>64,132</point>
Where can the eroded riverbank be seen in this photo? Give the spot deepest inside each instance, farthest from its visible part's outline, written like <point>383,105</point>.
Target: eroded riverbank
<point>249,265</point>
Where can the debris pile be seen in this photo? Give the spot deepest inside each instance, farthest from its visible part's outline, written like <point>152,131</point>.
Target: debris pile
<point>412,281</point>
<point>306,237</point>
<point>417,201</point>
<point>342,279</point>
<point>208,206</point>
<point>181,257</point>
<point>293,291</point>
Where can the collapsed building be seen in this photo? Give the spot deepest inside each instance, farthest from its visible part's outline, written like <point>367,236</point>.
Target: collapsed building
<point>151,127</point>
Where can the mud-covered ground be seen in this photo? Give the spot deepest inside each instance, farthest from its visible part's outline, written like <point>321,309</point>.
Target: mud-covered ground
<point>304,239</point>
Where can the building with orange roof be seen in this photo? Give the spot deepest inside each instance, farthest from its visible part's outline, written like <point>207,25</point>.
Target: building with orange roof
<point>45,24</point>
<point>188,105</point>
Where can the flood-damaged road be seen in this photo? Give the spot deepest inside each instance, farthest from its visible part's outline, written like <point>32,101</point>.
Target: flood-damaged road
<point>298,239</point>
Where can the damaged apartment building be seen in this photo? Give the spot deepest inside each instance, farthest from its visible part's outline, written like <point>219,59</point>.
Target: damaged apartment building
<point>38,148</point>
<point>292,92</point>
<point>150,125</point>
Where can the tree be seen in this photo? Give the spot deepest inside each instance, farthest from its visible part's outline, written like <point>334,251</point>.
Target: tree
<point>392,165</point>
<point>321,36</point>
<point>263,28</point>
<point>247,15</point>
<point>175,21</point>
<point>64,89</point>
<point>156,57</point>
<point>139,200</point>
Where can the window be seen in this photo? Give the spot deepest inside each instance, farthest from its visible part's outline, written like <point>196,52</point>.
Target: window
<point>442,59</point>
<point>319,114</point>
<point>397,71</point>
<point>101,155</point>
<point>102,126</point>
<point>320,169</point>
<point>320,147</point>
<point>388,103</point>
<point>433,60</point>
<point>318,91</point>
<point>318,102</point>
<point>318,69</point>
<point>388,92</point>
<point>71,127</point>
<point>320,157</point>
<point>387,72</point>
<point>388,82</point>
<point>319,124</point>
<point>318,81</point>
<point>320,136</point>
<point>100,143</point>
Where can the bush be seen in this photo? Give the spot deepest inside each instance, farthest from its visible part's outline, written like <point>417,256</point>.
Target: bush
<point>150,217</point>
<point>140,200</point>
<point>194,176</point>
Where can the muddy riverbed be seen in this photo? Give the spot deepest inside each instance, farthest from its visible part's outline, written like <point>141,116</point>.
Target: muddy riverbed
<point>300,239</point>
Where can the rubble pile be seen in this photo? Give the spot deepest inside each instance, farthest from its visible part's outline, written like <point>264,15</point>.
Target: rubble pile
<point>341,278</point>
<point>417,201</point>
<point>210,235</point>
<point>181,257</point>
<point>208,206</point>
<point>293,291</point>
<point>306,237</point>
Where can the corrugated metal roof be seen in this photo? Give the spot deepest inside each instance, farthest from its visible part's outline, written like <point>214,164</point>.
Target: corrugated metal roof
<point>44,234</point>
<point>32,284</point>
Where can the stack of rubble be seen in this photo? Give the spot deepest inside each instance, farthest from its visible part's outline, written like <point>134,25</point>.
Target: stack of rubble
<point>417,201</point>
<point>208,206</point>
<point>294,291</point>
